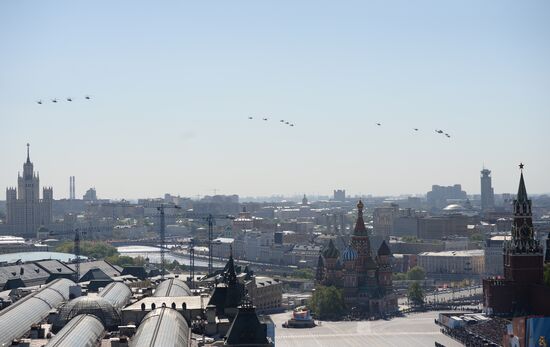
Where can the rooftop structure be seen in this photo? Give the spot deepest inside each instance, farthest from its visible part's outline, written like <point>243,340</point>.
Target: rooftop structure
<point>464,253</point>
<point>17,319</point>
<point>162,327</point>
<point>107,268</point>
<point>95,305</point>
<point>117,293</point>
<point>172,287</point>
<point>33,273</point>
<point>453,262</point>
<point>11,240</point>
<point>246,329</point>
<point>84,330</point>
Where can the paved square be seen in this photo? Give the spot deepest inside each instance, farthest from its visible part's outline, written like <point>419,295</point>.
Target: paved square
<point>413,330</point>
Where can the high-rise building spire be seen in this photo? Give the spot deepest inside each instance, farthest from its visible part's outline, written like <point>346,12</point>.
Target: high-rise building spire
<point>28,153</point>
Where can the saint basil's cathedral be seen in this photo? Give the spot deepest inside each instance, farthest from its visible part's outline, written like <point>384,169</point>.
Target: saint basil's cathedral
<point>366,281</point>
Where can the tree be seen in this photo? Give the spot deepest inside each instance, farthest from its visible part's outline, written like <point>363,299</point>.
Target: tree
<point>417,273</point>
<point>303,273</point>
<point>477,237</point>
<point>124,260</point>
<point>327,302</point>
<point>416,294</point>
<point>399,276</point>
<point>547,274</point>
<point>175,266</point>
<point>409,239</point>
<point>98,250</point>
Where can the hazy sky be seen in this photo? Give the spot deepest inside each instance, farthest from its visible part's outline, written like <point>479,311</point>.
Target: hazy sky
<point>173,85</point>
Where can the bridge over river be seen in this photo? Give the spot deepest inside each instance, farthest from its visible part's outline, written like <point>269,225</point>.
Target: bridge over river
<point>152,251</point>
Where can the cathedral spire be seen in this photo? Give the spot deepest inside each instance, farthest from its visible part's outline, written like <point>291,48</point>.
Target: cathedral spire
<point>360,223</point>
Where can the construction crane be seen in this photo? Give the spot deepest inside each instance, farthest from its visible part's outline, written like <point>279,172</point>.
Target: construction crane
<point>192,262</point>
<point>76,247</point>
<point>162,236</point>
<point>211,220</point>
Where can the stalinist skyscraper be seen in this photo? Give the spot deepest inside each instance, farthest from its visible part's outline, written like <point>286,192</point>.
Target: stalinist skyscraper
<point>26,212</point>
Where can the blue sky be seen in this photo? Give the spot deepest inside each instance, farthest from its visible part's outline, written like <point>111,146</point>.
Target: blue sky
<point>173,84</point>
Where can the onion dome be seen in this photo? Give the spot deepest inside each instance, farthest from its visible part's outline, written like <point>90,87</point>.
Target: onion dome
<point>331,251</point>
<point>349,254</point>
<point>384,249</point>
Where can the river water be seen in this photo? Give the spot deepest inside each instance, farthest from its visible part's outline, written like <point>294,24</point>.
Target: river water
<point>153,253</point>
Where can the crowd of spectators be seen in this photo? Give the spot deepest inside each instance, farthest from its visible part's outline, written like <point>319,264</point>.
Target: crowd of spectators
<point>491,330</point>
<point>486,333</point>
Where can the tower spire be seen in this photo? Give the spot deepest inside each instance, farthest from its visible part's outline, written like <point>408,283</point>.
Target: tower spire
<point>360,223</point>
<point>230,276</point>
<point>522,192</point>
<point>28,153</point>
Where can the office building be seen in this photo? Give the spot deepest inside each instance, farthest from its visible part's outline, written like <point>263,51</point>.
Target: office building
<point>439,196</point>
<point>487,192</point>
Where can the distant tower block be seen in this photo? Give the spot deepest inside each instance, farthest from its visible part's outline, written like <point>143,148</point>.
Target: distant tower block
<point>487,192</point>
<point>340,195</point>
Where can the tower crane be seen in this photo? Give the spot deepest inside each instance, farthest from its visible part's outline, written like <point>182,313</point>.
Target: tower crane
<point>78,232</point>
<point>208,217</point>
<point>192,262</point>
<point>211,220</point>
<point>76,249</point>
<point>162,236</point>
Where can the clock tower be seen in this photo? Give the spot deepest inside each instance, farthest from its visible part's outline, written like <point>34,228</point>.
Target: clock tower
<point>523,255</point>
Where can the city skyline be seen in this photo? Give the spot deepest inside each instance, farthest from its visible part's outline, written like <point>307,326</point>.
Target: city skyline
<point>172,88</point>
<point>74,193</point>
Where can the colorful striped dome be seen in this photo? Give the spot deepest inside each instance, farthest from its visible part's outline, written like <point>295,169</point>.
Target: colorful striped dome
<point>349,254</point>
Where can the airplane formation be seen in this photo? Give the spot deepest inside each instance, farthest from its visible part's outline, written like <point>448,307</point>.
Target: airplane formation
<point>438,131</point>
<point>282,121</point>
<point>56,100</point>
